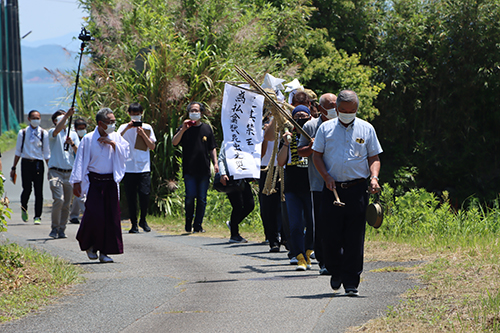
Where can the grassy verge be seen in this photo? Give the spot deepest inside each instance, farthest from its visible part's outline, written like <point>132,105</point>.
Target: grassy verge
<point>30,279</point>
<point>8,140</point>
<point>460,285</point>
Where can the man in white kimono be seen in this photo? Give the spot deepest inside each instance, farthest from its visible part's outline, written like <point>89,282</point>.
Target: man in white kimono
<point>99,167</point>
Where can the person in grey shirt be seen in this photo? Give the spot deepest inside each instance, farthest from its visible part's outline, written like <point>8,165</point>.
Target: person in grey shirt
<point>60,167</point>
<point>326,107</point>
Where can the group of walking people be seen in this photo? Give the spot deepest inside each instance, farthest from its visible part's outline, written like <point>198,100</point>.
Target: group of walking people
<point>339,154</point>
<point>85,169</point>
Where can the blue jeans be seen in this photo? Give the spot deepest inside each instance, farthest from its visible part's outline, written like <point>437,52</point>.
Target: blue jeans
<point>299,209</point>
<point>196,188</point>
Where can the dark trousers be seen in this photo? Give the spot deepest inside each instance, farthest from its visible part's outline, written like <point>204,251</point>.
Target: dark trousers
<point>32,173</point>
<point>137,184</point>
<point>243,204</point>
<point>101,228</point>
<point>318,227</point>
<point>344,234</point>
<point>299,209</point>
<point>196,189</point>
<point>270,211</point>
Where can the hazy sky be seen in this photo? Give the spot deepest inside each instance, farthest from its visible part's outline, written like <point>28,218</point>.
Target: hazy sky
<point>49,18</point>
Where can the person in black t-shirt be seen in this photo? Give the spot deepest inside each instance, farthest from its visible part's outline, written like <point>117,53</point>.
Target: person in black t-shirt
<point>198,149</point>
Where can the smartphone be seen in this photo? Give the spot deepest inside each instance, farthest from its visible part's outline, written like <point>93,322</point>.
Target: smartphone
<point>192,123</point>
<point>137,123</point>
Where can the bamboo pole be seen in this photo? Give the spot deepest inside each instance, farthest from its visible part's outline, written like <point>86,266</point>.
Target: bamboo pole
<point>282,112</point>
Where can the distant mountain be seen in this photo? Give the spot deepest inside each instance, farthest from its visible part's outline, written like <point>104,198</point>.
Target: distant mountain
<point>68,42</point>
<point>52,57</point>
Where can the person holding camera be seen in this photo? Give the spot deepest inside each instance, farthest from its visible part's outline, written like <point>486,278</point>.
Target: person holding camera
<point>198,149</point>
<point>137,180</point>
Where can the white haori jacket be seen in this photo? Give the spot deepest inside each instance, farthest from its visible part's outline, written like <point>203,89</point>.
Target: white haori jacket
<point>93,156</point>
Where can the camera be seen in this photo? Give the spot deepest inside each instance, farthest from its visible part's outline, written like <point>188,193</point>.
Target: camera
<point>137,123</point>
<point>85,36</point>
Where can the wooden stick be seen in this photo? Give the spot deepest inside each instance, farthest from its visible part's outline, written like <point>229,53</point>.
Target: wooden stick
<point>337,201</point>
<point>283,113</point>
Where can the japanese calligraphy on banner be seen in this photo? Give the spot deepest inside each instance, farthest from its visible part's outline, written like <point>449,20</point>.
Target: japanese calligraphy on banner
<point>241,118</point>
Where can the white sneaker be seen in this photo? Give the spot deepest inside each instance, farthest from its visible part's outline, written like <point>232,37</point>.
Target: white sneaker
<point>91,254</point>
<point>104,258</point>
<point>294,261</point>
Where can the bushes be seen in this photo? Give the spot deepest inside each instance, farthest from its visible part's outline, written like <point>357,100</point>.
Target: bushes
<point>418,213</point>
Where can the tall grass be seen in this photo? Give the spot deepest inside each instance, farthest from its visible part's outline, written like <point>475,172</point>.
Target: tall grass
<point>428,218</point>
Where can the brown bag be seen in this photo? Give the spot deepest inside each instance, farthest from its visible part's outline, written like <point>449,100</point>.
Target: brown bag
<point>375,213</point>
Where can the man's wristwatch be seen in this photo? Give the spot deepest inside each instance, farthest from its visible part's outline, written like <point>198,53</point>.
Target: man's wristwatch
<point>13,168</point>
<point>374,177</point>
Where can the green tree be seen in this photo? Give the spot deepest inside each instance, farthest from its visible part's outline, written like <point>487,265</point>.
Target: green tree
<point>165,54</point>
<point>439,61</point>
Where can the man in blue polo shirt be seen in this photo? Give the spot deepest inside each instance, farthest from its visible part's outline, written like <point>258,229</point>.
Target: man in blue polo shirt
<point>60,166</point>
<point>346,153</point>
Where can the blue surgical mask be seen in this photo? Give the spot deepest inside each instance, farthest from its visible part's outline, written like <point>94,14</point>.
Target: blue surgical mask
<point>195,116</point>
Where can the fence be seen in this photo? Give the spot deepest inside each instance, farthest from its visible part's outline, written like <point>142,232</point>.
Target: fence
<point>11,80</point>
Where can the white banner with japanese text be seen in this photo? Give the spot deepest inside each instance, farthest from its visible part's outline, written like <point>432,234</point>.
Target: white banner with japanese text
<point>241,118</point>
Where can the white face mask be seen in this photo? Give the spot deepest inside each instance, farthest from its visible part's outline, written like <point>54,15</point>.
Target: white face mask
<point>35,122</point>
<point>195,116</point>
<point>346,118</point>
<point>110,129</point>
<point>332,113</point>
<point>58,119</point>
<point>136,118</point>
<point>81,133</point>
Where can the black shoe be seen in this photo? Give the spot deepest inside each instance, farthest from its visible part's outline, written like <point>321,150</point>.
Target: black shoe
<point>134,229</point>
<point>188,227</point>
<point>144,225</point>
<point>324,271</point>
<point>335,283</point>
<point>199,230</point>
<point>74,221</point>
<point>274,248</point>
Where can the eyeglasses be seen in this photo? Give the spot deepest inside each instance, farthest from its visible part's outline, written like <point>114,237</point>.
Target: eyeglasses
<point>109,122</point>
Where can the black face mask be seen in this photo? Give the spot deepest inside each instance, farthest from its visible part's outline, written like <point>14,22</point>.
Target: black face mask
<point>301,122</point>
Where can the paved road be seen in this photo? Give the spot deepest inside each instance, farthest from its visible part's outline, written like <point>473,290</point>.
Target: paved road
<point>186,283</point>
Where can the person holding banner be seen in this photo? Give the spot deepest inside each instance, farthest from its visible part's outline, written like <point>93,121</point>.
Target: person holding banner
<point>298,200</point>
<point>240,155</point>
<point>242,202</point>
<point>198,149</point>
